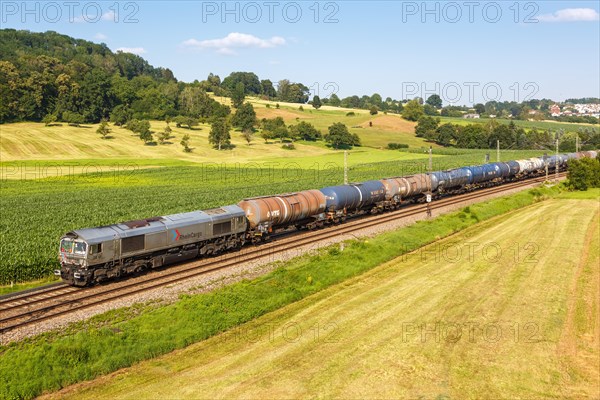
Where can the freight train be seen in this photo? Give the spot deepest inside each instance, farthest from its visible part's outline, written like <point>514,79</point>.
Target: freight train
<point>92,255</point>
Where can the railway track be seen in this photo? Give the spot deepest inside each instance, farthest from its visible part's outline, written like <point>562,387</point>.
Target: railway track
<point>51,301</point>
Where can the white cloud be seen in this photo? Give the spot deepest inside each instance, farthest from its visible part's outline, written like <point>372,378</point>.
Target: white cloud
<point>100,36</point>
<point>571,15</point>
<point>234,40</point>
<point>109,16</point>
<point>226,51</point>
<point>132,50</point>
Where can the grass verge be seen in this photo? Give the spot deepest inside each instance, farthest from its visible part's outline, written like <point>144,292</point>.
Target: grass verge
<point>122,338</point>
<point>17,287</point>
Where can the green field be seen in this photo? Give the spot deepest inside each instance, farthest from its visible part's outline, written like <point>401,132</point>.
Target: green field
<point>518,321</point>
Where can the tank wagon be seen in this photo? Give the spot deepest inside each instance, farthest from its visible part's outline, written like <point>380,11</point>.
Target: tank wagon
<point>590,154</point>
<point>513,168</point>
<point>95,254</point>
<point>303,209</point>
<point>345,200</point>
<point>453,178</point>
<point>406,187</point>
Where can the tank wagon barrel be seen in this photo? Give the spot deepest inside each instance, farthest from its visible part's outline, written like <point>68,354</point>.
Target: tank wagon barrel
<point>264,213</point>
<point>355,196</point>
<point>407,186</point>
<point>453,178</point>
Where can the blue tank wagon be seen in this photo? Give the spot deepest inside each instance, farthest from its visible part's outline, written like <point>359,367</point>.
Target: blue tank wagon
<point>348,199</point>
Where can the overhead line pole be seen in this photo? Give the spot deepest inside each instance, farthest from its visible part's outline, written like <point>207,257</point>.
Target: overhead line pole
<point>497,151</point>
<point>556,172</point>
<point>430,161</point>
<point>345,167</point>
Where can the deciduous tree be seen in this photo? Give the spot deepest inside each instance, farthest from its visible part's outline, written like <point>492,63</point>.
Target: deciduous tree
<point>316,102</point>
<point>219,133</point>
<point>244,117</point>
<point>339,137</point>
<point>103,129</point>
<point>412,111</point>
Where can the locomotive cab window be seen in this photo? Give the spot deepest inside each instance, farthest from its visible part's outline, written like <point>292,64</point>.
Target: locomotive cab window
<point>66,246</point>
<point>96,248</point>
<point>80,248</point>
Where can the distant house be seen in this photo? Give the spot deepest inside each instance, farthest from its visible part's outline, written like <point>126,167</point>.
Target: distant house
<point>471,116</point>
<point>555,110</point>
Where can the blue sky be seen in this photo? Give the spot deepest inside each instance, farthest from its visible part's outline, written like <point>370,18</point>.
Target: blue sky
<point>466,51</point>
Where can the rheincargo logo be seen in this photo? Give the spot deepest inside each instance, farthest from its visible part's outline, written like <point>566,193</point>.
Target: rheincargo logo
<point>177,235</point>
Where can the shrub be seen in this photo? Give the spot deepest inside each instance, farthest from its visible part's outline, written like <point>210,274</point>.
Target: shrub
<point>350,114</point>
<point>49,119</point>
<point>583,174</point>
<point>397,146</point>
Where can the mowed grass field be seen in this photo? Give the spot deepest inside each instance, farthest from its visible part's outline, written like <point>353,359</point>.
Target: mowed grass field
<point>384,129</point>
<point>491,312</point>
<point>35,141</point>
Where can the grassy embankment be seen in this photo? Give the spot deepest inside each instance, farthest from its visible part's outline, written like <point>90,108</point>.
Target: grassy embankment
<point>113,341</point>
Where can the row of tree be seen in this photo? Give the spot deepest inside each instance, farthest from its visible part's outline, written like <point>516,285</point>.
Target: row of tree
<point>485,136</point>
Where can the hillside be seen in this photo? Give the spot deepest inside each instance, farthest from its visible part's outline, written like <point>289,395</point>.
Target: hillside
<point>390,128</point>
